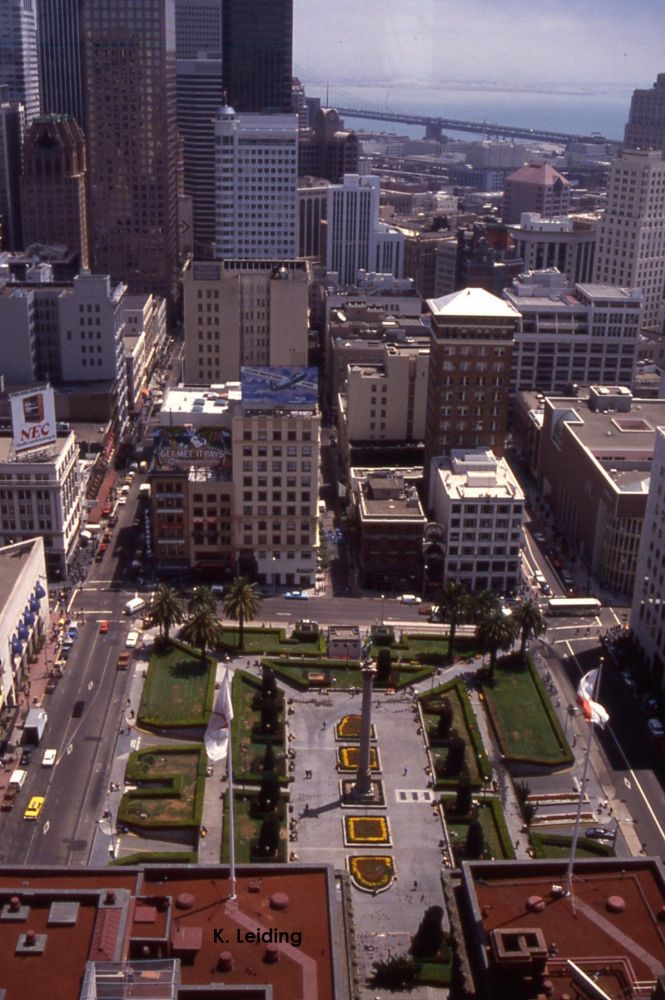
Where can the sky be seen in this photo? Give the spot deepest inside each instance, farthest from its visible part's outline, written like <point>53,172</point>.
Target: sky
<point>525,41</point>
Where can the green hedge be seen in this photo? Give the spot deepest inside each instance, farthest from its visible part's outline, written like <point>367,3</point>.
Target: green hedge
<point>136,773</point>
<point>475,738</point>
<point>585,845</point>
<point>157,858</point>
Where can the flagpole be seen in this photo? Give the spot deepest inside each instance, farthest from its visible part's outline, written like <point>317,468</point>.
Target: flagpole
<point>232,833</point>
<point>576,831</point>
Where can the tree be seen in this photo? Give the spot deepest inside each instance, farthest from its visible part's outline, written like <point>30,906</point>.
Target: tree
<point>202,597</point>
<point>268,798</point>
<point>166,610</point>
<point>269,836</point>
<point>445,719</point>
<point>484,603</point>
<point>394,973</point>
<point>268,685</point>
<point>453,602</point>
<point>384,662</point>
<point>475,840</point>
<point>494,632</point>
<point>241,604</point>
<point>455,758</point>
<point>269,718</point>
<point>463,799</point>
<point>204,630</point>
<point>269,761</point>
<point>428,938</point>
<point>529,622</point>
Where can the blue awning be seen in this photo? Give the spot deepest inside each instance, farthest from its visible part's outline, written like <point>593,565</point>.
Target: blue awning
<point>39,590</point>
<point>17,646</point>
<point>22,630</point>
<point>29,618</point>
<point>35,604</point>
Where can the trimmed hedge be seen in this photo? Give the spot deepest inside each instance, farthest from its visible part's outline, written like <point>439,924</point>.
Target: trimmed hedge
<point>458,687</point>
<point>157,858</point>
<point>540,842</point>
<point>136,773</point>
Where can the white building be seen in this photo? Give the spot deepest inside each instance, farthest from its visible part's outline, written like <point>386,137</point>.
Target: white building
<point>244,313</point>
<point>356,240</point>
<point>631,234</point>
<point>40,494</point>
<point>256,185</point>
<point>572,334</point>
<point>24,616</point>
<point>647,618</point>
<point>480,506</point>
<point>19,56</point>
<point>567,242</point>
<point>144,337</point>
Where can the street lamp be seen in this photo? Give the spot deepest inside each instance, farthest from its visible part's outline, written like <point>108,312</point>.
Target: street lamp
<point>383,597</point>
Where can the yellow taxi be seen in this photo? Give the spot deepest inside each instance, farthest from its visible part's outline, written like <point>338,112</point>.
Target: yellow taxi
<point>34,807</point>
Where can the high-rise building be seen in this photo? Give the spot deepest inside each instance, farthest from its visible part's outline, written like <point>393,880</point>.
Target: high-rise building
<point>244,313</point>
<point>312,207</point>
<point>198,29</point>
<point>356,240</point>
<point>130,128</point>
<point>199,96</point>
<point>256,180</point>
<point>567,243</point>
<point>19,63</point>
<point>53,188</point>
<point>328,150</point>
<point>645,128</point>
<point>257,43</point>
<point>471,343</point>
<point>12,125</point>
<point>631,234</point>
<point>535,187</point>
<point>59,39</point>
<point>647,618</point>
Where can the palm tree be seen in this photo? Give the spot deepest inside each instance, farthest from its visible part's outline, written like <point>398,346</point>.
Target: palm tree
<point>453,603</point>
<point>166,610</point>
<point>529,621</point>
<point>241,603</point>
<point>484,603</point>
<point>203,630</point>
<point>494,632</point>
<point>202,597</point>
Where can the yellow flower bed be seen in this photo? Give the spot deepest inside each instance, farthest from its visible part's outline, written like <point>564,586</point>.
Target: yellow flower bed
<point>348,728</point>
<point>348,758</point>
<point>366,830</point>
<point>372,873</point>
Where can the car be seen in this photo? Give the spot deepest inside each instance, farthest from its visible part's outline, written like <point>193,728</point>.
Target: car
<point>409,599</point>
<point>425,609</point>
<point>103,626</point>
<point>123,661</point>
<point>539,537</point>
<point>35,806</point>
<point>649,703</point>
<point>656,728</point>
<point>26,757</point>
<point>77,710</point>
<point>600,833</point>
<point>122,501</point>
<point>102,548</point>
<point>48,760</point>
<point>296,595</point>
<point>628,680</point>
<point>132,639</point>
<point>9,799</point>
<point>51,685</point>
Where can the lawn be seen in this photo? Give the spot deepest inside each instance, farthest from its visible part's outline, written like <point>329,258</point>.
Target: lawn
<point>342,674</point>
<point>523,717</point>
<point>498,845</point>
<point>247,831</point>
<point>476,763</point>
<point>170,785</point>
<point>556,845</point>
<point>178,691</point>
<point>270,641</point>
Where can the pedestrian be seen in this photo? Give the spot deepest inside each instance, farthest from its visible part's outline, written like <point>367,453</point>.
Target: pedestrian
<point>406,771</point>
<point>517,844</point>
<point>415,884</point>
<point>574,742</point>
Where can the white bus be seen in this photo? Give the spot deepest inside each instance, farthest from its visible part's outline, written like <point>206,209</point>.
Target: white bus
<point>573,606</point>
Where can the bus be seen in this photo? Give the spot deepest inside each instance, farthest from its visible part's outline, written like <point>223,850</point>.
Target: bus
<point>574,606</point>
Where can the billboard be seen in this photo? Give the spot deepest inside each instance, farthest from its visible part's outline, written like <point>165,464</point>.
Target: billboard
<point>291,388</point>
<point>184,447</point>
<point>33,418</point>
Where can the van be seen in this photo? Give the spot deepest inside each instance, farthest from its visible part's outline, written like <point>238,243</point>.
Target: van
<point>17,779</point>
<point>539,578</point>
<point>322,508</point>
<point>217,589</point>
<point>144,490</point>
<point>136,604</point>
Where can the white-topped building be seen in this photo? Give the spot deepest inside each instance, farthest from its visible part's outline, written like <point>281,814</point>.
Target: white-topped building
<point>480,506</point>
<point>647,618</point>
<point>256,185</point>
<point>356,240</point>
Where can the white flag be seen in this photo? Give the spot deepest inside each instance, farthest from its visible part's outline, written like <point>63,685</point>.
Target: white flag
<point>217,734</point>
<point>593,712</point>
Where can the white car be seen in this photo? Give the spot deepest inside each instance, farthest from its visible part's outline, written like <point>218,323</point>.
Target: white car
<point>48,760</point>
<point>656,728</point>
<point>132,639</point>
<point>410,599</point>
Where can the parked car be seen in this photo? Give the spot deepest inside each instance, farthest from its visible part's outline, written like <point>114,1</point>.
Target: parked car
<point>656,728</point>
<point>132,639</point>
<point>51,685</point>
<point>26,757</point>
<point>296,595</point>
<point>9,799</point>
<point>600,833</point>
<point>539,537</point>
<point>628,680</point>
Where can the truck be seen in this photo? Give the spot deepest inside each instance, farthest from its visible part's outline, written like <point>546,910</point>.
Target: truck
<point>34,726</point>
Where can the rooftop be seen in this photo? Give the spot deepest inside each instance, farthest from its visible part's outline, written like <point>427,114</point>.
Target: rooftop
<point>537,173</point>
<point>472,302</point>
<point>12,560</point>
<point>184,401</point>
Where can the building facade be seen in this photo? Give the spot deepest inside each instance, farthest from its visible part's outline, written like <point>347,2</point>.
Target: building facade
<point>535,187</point>
<point>631,233</point>
<point>54,206</point>
<point>19,59</point>
<point>12,126</point>
<point>256,184</point>
<point>130,128</point>
<point>567,243</point>
<point>257,43</point>
<point>328,150</point>
<point>645,128</point>
<point>647,618</point>
<point>356,240</point>
<point>198,28</point>
<point>60,73</point>
<point>24,618</point>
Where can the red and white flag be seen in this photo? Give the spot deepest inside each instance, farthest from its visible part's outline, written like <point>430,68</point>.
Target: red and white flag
<point>593,712</point>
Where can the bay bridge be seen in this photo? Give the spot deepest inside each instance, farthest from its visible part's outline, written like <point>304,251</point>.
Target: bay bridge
<point>435,126</point>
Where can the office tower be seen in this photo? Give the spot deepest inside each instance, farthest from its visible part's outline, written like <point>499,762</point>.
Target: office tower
<point>59,40</point>
<point>647,619</point>
<point>256,180</point>
<point>356,240</point>
<point>53,185</point>
<point>567,243</point>
<point>199,96</point>
<point>645,128</point>
<point>19,64</point>
<point>471,343</point>
<point>312,208</point>
<point>130,128</point>
<point>257,38</point>
<point>244,313</point>
<point>198,28</point>
<point>327,150</point>
<point>631,233</point>
<point>12,125</point>
<point>535,187</point>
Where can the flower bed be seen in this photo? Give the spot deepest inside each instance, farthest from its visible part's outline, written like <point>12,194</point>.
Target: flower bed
<point>348,728</point>
<point>366,830</point>
<point>371,873</point>
<point>348,758</point>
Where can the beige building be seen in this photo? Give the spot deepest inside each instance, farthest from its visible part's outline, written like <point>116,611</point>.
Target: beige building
<point>244,313</point>
<point>24,618</point>
<point>647,618</point>
<point>145,337</point>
